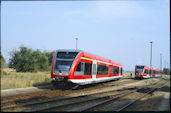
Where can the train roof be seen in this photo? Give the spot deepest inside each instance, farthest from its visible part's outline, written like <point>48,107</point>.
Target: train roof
<point>96,57</point>
<point>93,55</point>
<point>149,67</point>
<point>158,70</point>
<point>68,50</point>
<point>140,65</point>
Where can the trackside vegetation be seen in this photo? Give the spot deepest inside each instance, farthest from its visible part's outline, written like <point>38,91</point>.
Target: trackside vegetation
<point>28,60</point>
<point>12,79</point>
<point>2,60</point>
<point>27,68</point>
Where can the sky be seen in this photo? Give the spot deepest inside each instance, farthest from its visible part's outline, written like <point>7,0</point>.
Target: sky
<point>120,30</point>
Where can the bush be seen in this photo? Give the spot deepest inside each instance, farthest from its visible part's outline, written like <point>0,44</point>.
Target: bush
<point>166,71</point>
<point>2,60</point>
<point>28,60</point>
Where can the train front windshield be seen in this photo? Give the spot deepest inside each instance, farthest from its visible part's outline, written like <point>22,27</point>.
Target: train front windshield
<point>139,69</point>
<point>63,65</point>
<point>64,62</point>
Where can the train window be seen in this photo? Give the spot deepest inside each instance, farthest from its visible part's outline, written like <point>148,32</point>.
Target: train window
<point>88,69</point>
<point>63,65</point>
<point>121,71</point>
<point>140,67</point>
<point>115,70</point>
<point>67,55</point>
<point>150,71</point>
<point>146,71</point>
<point>102,69</point>
<point>79,66</point>
<point>80,69</point>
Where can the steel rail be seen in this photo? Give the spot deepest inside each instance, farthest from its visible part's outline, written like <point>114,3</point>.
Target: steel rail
<point>55,99</point>
<point>105,97</point>
<point>42,101</point>
<point>98,104</point>
<point>126,106</point>
<point>8,101</point>
<point>108,100</point>
<point>9,96</point>
<point>39,102</point>
<point>51,100</point>
<point>27,94</point>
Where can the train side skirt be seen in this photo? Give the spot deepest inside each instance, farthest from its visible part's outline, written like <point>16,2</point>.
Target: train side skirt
<point>89,81</point>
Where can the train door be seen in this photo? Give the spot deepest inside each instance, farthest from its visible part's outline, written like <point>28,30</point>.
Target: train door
<point>94,70</point>
<point>80,69</point>
<point>120,71</point>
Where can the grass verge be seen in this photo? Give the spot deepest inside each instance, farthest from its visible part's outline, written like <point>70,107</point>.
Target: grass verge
<point>12,79</point>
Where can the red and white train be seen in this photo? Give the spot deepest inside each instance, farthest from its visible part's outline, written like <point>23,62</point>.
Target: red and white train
<point>158,72</point>
<point>79,67</point>
<point>146,72</point>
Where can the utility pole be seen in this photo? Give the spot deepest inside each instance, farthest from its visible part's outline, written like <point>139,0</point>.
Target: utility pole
<point>76,42</point>
<point>151,57</point>
<point>160,61</point>
<point>170,56</point>
<point>165,64</point>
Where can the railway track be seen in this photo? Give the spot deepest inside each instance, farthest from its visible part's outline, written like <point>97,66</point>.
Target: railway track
<point>53,93</point>
<point>120,103</point>
<point>100,103</point>
<point>59,103</point>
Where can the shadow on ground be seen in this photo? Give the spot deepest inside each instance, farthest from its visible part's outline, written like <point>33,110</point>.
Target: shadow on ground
<point>165,89</point>
<point>43,85</point>
<point>54,86</point>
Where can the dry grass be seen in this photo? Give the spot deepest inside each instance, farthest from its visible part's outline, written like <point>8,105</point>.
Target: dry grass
<point>128,75</point>
<point>8,69</point>
<point>12,79</point>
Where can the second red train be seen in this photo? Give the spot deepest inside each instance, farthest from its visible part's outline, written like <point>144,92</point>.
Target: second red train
<point>146,72</point>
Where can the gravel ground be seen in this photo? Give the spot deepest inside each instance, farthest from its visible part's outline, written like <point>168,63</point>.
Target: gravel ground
<point>36,96</point>
<point>77,93</point>
<point>119,85</point>
<point>157,101</point>
<point>16,91</point>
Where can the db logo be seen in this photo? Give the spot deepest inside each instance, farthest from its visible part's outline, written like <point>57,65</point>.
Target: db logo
<point>60,73</point>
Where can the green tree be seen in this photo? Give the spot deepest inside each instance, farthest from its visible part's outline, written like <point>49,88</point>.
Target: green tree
<point>20,60</point>
<point>50,57</point>
<point>2,61</point>
<point>166,71</point>
<point>41,60</point>
<point>28,60</point>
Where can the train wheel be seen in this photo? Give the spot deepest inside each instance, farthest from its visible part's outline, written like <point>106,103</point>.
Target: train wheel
<point>75,87</point>
<point>55,85</point>
<point>58,85</point>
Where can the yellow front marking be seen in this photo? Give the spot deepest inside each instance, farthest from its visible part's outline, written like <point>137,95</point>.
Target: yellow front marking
<point>88,59</point>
